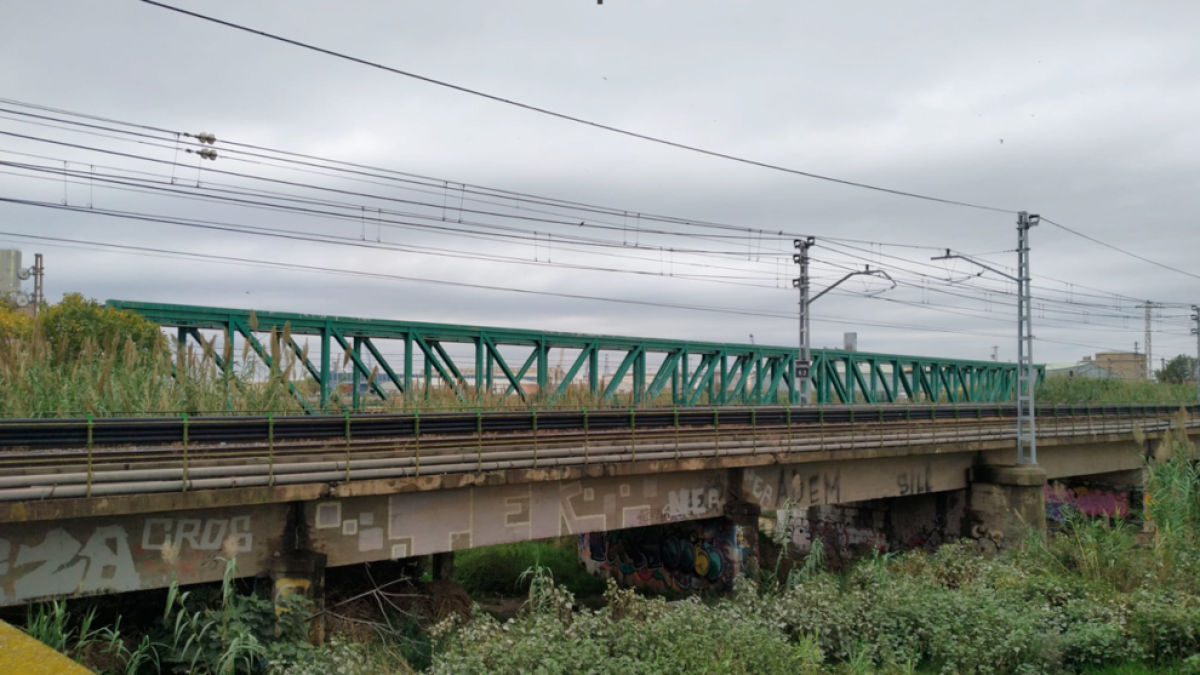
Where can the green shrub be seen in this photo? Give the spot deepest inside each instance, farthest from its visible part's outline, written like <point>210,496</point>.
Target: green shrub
<point>76,321</point>
<point>631,636</point>
<point>496,571</point>
<point>1088,390</point>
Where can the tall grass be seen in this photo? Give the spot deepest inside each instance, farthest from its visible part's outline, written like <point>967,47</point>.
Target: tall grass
<point>1088,390</point>
<point>40,379</point>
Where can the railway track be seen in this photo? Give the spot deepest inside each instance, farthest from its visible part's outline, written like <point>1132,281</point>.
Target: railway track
<point>25,433</point>
<point>103,470</point>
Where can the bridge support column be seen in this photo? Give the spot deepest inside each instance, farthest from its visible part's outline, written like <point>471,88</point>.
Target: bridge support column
<point>301,572</point>
<point>443,566</point>
<point>1007,499</point>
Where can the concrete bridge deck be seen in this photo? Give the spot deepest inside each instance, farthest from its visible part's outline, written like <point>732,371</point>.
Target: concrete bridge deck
<point>151,514</point>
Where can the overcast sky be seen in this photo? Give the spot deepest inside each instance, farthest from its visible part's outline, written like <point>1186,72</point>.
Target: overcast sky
<point>1084,112</point>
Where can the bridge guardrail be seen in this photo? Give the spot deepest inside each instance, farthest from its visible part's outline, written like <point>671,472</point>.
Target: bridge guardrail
<point>215,429</point>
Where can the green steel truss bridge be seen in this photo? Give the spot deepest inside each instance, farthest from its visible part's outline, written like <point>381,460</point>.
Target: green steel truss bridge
<point>692,373</point>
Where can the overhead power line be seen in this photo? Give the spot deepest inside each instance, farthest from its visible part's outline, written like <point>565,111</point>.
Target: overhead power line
<point>1119,250</point>
<point>65,242</point>
<point>1076,310</point>
<point>572,118</point>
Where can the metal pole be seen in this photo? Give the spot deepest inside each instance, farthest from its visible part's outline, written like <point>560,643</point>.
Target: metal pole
<point>1196,332</point>
<point>803,364</point>
<point>38,291</point>
<point>1026,378</point>
<point>1149,352</point>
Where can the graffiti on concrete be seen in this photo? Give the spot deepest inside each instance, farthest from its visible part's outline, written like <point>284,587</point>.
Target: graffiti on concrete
<point>801,484</point>
<point>915,481</point>
<point>1090,501</point>
<point>834,529</point>
<point>681,558</point>
<point>360,529</point>
<point>821,483</point>
<point>88,556</point>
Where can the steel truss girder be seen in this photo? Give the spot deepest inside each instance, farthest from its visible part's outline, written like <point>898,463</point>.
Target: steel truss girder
<point>756,375</point>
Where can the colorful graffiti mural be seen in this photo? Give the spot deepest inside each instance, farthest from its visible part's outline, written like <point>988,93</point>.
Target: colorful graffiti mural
<point>677,558</point>
<point>1090,501</point>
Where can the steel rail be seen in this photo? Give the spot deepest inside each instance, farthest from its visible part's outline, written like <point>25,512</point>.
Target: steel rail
<point>58,463</point>
<point>158,430</point>
<point>56,457</point>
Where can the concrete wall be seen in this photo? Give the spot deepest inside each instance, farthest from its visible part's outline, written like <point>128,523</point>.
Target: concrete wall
<point>86,556</point>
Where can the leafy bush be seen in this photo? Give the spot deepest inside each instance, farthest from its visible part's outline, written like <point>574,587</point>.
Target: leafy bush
<point>1088,390</point>
<point>631,636</point>
<point>76,321</point>
<point>14,324</point>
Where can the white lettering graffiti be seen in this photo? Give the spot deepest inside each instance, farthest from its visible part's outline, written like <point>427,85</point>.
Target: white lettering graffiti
<point>200,535</point>
<point>763,492</point>
<point>64,566</point>
<point>694,502</point>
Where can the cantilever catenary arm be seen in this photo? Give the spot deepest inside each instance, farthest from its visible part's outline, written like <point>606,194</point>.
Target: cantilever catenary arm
<point>868,272</point>
<point>973,261</point>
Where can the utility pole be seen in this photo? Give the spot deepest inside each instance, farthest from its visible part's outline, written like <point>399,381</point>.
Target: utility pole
<point>803,370</point>
<point>1026,379</point>
<point>39,294</point>
<point>803,363</point>
<point>1149,351</point>
<point>1196,332</point>
<point>995,352</point>
<point>1026,376</point>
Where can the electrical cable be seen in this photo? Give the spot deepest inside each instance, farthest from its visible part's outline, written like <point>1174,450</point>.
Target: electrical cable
<point>571,118</point>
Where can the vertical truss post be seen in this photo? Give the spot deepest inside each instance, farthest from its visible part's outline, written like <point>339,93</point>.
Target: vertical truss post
<point>479,368</point>
<point>1026,377</point>
<point>543,370</point>
<point>326,339</point>
<point>408,364</point>
<point>639,378</point>
<point>427,359</point>
<point>711,380</point>
<point>357,381</point>
<point>682,391</point>
<point>489,366</point>
<point>594,370</point>
<point>723,396</point>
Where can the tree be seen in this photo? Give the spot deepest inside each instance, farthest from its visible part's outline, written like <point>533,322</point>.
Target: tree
<point>1178,370</point>
<point>14,324</point>
<point>76,320</point>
